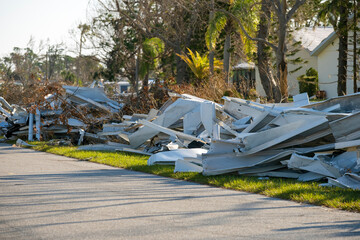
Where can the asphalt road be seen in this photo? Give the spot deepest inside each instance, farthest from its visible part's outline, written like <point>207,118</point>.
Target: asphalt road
<point>44,196</point>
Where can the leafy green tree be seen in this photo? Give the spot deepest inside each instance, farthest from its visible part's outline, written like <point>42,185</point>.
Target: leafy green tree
<point>222,22</point>
<point>152,49</point>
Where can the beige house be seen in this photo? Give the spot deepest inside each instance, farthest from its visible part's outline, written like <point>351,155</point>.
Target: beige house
<point>327,55</point>
<point>310,39</point>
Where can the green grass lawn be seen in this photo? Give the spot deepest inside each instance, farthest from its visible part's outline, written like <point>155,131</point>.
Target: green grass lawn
<point>309,192</point>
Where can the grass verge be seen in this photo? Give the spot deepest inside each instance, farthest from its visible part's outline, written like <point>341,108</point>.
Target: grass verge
<point>304,192</point>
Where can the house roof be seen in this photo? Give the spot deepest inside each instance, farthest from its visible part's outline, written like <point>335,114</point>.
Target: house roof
<point>311,37</point>
<point>327,40</point>
<point>324,44</point>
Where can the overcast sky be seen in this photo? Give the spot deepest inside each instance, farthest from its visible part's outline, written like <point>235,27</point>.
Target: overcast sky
<point>41,19</point>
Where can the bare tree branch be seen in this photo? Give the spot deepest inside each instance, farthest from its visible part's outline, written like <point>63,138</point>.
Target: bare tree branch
<point>297,4</point>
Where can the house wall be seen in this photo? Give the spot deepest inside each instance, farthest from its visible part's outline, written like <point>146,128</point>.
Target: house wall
<point>293,83</point>
<point>350,71</point>
<point>328,70</point>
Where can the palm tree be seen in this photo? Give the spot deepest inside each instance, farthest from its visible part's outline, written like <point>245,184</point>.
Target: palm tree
<point>221,22</point>
<point>152,49</point>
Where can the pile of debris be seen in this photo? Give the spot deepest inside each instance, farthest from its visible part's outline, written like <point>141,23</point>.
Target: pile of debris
<point>60,117</point>
<point>294,140</point>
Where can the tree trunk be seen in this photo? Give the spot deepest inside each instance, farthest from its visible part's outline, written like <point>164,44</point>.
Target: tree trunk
<point>355,46</point>
<point>343,48</point>
<point>211,52</point>
<point>180,68</point>
<point>268,82</point>
<point>281,63</point>
<point>227,56</point>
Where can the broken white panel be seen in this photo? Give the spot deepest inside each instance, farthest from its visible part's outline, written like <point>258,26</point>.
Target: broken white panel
<point>301,99</point>
<point>347,128</point>
<point>192,121</point>
<point>241,123</point>
<point>224,126</point>
<point>349,180</point>
<point>260,169</point>
<point>216,132</point>
<point>218,146</point>
<point>188,165</point>
<point>346,162</point>
<point>114,127</point>
<point>215,164</point>
<point>262,140</point>
<point>88,100</point>
<point>6,113</point>
<point>310,176</point>
<point>347,144</point>
<point>152,114</point>
<point>21,143</point>
<point>208,115</point>
<point>312,165</point>
<point>259,122</point>
<point>31,127</point>
<point>168,131</point>
<point>38,124</point>
<point>170,157</point>
<point>298,140</point>
<point>7,105</point>
<point>349,103</point>
<point>130,150</point>
<point>75,123</point>
<point>95,94</point>
<point>81,138</point>
<point>231,108</point>
<point>283,173</point>
<point>172,113</point>
<point>336,107</point>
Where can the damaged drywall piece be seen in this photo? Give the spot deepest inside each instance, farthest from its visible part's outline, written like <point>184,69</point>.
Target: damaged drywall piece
<point>170,157</point>
<point>301,99</point>
<point>88,100</point>
<point>38,124</point>
<point>259,122</point>
<point>188,165</point>
<point>21,143</point>
<point>313,165</point>
<point>81,138</point>
<point>31,127</point>
<point>283,173</point>
<point>192,121</point>
<point>172,114</point>
<point>170,132</point>
<point>262,140</point>
<point>347,128</point>
<point>208,115</point>
<point>310,176</point>
<point>349,180</point>
<point>260,169</point>
<point>215,164</point>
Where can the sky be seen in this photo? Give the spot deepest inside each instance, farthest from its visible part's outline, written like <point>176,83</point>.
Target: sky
<point>41,19</point>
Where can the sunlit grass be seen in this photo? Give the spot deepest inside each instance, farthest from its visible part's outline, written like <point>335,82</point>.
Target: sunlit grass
<point>289,189</point>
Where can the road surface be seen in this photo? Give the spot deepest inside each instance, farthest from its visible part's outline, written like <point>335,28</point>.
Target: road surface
<point>44,196</point>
